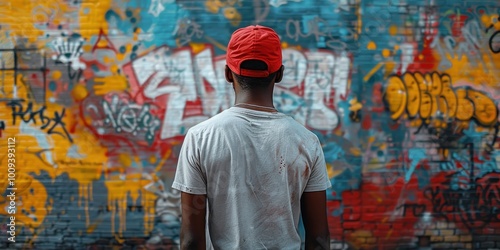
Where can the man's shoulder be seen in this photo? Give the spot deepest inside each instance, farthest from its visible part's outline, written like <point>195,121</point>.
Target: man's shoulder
<point>299,128</point>
<point>213,122</point>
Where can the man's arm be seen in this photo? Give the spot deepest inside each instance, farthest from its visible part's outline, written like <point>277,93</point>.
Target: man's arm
<point>193,221</point>
<point>313,208</point>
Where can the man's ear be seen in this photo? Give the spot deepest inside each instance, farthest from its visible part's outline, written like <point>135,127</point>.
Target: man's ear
<point>228,74</point>
<point>279,74</point>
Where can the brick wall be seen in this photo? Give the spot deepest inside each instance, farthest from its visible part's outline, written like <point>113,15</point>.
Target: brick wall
<point>98,95</point>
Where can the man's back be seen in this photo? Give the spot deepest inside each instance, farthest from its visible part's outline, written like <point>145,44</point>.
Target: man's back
<point>253,166</point>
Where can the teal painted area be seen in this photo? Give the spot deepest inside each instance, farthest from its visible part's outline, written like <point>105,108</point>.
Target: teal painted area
<point>161,28</point>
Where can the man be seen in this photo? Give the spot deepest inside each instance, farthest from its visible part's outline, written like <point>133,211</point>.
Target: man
<point>257,169</point>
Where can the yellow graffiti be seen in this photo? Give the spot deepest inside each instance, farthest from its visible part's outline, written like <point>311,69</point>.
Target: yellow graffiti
<point>481,68</point>
<point>373,71</point>
<point>92,16</point>
<point>23,17</point>
<point>30,198</point>
<point>37,154</point>
<point>228,9</point>
<point>431,96</point>
<point>371,45</point>
<point>213,6</point>
<point>484,108</point>
<point>480,75</point>
<point>491,21</point>
<point>355,105</point>
<point>395,96</point>
<point>120,188</point>
<point>231,14</point>
<point>114,83</point>
<point>79,92</point>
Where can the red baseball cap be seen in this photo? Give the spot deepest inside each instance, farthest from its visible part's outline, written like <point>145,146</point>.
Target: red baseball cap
<point>254,42</point>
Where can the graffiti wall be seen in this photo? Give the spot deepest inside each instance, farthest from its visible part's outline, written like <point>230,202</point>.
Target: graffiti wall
<point>96,97</point>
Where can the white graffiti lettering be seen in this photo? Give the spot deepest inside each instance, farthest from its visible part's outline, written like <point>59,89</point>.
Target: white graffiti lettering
<point>195,87</point>
<point>129,117</point>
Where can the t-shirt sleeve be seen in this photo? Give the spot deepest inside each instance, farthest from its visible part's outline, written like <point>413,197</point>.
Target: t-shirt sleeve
<point>318,180</point>
<point>189,177</point>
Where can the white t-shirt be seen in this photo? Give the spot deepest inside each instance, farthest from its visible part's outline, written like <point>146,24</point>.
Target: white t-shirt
<point>253,166</point>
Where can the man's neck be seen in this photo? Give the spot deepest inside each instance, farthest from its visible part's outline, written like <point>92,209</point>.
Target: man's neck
<point>261,101</point>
